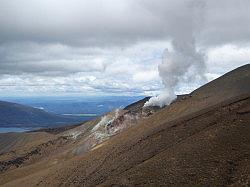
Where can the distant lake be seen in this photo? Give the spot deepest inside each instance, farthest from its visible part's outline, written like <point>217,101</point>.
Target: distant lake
<point>86,107</point>
<point>13,129</point>
<point>81,115</point>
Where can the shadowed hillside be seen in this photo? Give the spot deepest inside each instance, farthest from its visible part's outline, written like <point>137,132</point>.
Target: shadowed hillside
<point>13,114</point>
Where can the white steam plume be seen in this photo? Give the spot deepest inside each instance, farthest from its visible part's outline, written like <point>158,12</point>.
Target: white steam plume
<point>177,63</point>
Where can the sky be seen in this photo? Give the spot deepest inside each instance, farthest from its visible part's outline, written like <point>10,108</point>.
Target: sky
<point>115,47</point>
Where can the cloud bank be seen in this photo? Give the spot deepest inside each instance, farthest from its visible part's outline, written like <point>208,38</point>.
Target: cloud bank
<point>55,46</point>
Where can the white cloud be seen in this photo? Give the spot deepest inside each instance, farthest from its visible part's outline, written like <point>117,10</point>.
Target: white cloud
<point>146,76</point>
<point>227,57</point>
<point>110,46</point>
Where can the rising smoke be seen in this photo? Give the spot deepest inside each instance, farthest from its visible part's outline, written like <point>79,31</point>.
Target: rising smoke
<point>177,63</point>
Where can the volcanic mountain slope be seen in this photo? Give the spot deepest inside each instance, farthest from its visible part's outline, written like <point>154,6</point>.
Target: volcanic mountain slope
<point>13,140</point>
<point>13,114</point>
<point>201,139</point>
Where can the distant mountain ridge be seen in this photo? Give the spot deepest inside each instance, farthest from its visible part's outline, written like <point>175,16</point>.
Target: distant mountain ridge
<point>17,115</point>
